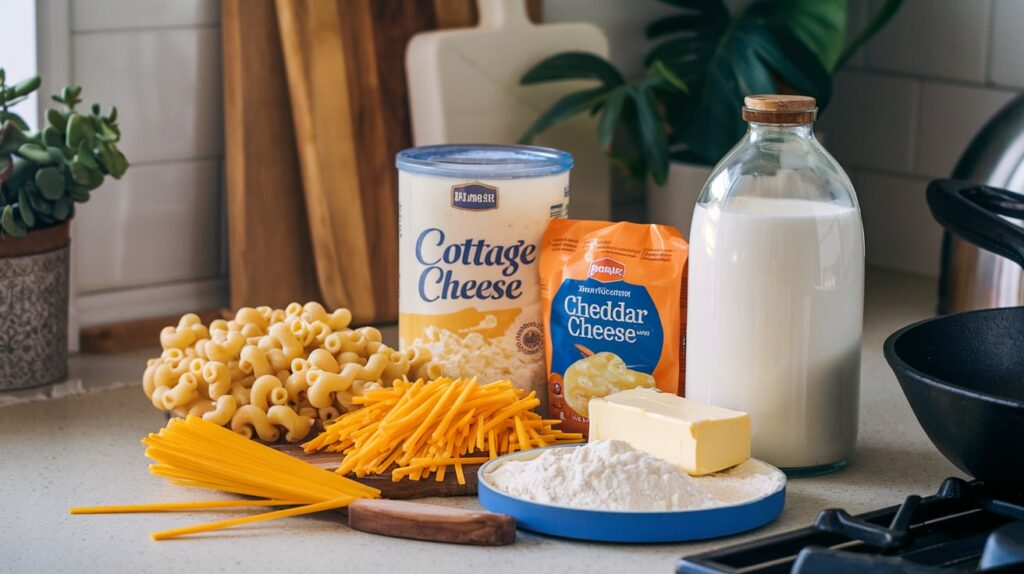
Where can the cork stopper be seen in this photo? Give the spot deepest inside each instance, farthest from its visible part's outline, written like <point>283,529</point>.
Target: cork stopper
<point>779,109</point>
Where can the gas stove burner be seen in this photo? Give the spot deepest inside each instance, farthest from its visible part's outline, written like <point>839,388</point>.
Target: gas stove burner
<point>964,527</point>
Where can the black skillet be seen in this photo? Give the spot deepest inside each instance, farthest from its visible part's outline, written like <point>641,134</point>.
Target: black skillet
<point>963,374</point>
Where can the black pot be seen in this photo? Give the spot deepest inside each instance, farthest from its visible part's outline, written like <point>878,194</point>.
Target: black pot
<point>963,374</point>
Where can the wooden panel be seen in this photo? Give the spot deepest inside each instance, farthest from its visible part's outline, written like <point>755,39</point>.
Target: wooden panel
<point>271,255</point>
<point>318,71</point>
<point>462,13</point>
<point>129,335</point>
<point>403,489</point>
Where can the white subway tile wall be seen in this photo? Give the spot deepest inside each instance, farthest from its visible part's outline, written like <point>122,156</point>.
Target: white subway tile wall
<point>167,86</point>
<point>870,121</point>
<point>898,228</point>
<point>950,117</point>
<point>96,15</point>
<point>904,112</point>
<point>160,224</point>
<point>1007,62</point>
<point>153,243</point>
<point>937,38</point>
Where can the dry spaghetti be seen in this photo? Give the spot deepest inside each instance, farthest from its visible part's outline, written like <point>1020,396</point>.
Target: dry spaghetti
<point>194,452</point>
<point>423,428</point>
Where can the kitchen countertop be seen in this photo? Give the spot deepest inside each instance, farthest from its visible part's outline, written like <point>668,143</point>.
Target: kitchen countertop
<point>84,450</point>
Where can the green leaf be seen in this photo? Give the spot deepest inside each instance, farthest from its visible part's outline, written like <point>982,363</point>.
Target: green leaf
<point>649,134</point>
<point>120,166</point>
<point>666,75</point>
<point>106,132</point>
<point>62,208</point>
<point>14,119</point>
<point>79,130</point>
<point>35,153</point>
<point>50,182</point>
<point>25,209</point>
<point>683,50</point>
<point>630,166</point>
<point>57,155</point>
<point>36,200</point>
<point>697,5</point>
<point>11,102</point>
<point>819,24</point>
<point>84,156</point>
<point>610,116</point>
<point>10,223</point>
<point>877,22</point>
<point>53,137</point>
<point>754,55</point>
<point>23,88</point>
<point>710,23</point>
<point>86,176</point>
<point>795,64</point>
<point>57,119</point>
<point>563,109</point>
<point>112,160</point>
<point>573,66</point>
<point>79,194</point>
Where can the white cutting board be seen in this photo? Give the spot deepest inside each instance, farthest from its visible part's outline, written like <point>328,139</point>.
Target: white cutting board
<point>464,88</point>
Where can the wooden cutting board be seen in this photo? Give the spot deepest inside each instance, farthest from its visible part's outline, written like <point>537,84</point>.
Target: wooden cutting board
<point>272,255</point>
<point>269,248</point>
<point>344,62</point>
<point>401,490</point>
<point>464,88</point>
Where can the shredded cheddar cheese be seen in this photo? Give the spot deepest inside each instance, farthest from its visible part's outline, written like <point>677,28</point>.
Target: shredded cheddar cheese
<point>418,429</point>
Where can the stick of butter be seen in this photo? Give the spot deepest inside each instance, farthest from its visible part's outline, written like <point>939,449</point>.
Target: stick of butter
<point>698,438</point>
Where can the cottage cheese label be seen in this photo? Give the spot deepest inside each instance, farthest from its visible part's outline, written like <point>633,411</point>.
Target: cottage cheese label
<point>469,284</point>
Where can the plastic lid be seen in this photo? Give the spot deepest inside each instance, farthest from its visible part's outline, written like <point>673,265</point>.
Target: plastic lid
<point>484,161</point>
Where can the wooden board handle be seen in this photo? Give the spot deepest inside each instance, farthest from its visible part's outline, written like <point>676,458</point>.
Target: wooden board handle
<point>418,521</point>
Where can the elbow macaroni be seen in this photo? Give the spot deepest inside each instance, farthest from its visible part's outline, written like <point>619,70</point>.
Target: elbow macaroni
<point>275,373</point>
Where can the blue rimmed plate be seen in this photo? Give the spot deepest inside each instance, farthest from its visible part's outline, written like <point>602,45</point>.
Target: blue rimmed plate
<point>626,526</point>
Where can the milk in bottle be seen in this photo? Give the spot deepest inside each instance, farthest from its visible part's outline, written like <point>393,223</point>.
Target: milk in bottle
<point>776,284</point>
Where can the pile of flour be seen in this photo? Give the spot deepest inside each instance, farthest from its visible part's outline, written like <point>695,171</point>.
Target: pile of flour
<point>612,475</point>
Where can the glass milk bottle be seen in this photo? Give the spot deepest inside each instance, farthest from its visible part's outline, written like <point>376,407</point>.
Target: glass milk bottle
<point>776,290</point>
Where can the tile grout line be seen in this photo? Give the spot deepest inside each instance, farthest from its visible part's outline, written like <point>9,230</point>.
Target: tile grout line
<point>141,29</point>
<point>916,121</point>
<point>875,171</point>
<point>211,280</point>
<point>986,85</point>
<point>990,37</point>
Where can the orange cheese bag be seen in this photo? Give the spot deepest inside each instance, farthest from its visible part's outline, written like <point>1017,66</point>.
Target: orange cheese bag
<point>614,309</point>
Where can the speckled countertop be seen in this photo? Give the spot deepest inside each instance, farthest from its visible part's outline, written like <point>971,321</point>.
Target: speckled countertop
<point>84,450</point>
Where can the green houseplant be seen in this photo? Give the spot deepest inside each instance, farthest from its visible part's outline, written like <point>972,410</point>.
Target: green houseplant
<point>43,174</point>
<point>705,61</point>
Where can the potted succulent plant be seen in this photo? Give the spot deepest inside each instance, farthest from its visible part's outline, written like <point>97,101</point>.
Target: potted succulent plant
<point>42,175</point>
<point>683,115</point>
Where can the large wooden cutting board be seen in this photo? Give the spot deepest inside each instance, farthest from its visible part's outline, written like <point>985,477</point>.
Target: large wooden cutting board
<point>349,95</point>
<point>401,490</point>
<point>269,249</point>
<point>464,88</point>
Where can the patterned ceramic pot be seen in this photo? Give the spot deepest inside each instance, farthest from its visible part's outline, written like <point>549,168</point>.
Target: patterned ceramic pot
<point>34,308</point>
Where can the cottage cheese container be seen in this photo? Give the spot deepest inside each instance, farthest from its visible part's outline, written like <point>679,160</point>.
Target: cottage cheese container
<point>470,222</point>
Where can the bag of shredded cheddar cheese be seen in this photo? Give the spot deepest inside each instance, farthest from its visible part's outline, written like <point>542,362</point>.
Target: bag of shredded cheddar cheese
<point>614,310</point>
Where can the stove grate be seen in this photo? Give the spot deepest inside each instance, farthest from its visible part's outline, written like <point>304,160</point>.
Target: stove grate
<point>945,533</point>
